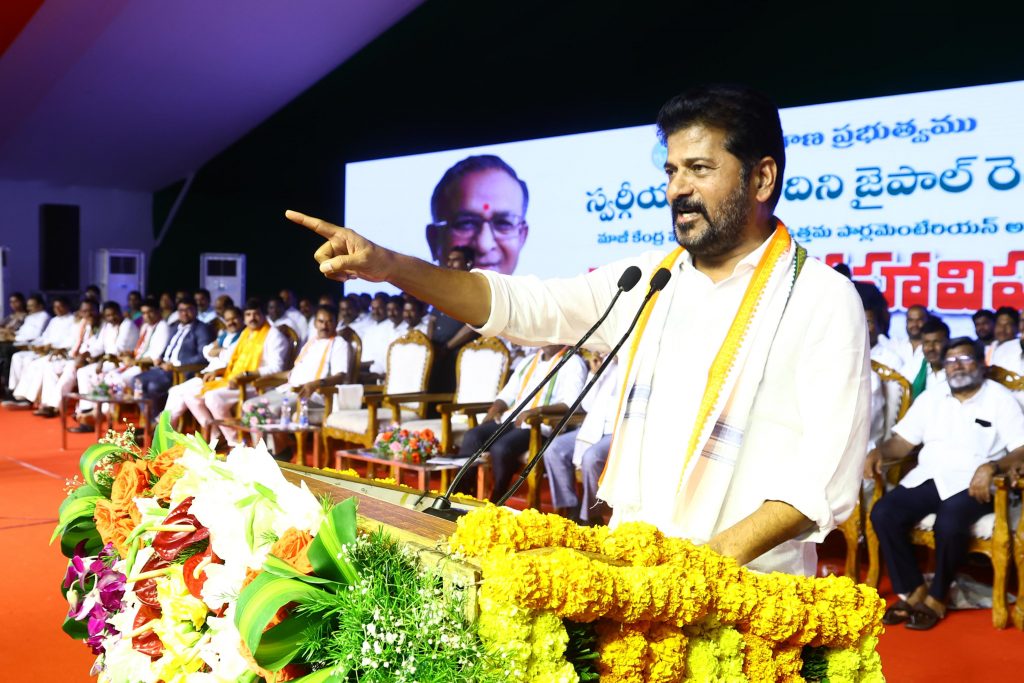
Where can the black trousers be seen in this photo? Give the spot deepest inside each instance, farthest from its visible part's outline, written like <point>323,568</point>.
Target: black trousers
<point>7,351</point>
<point>506,452</point>
<point>156,382</point>
<point>899,510</point>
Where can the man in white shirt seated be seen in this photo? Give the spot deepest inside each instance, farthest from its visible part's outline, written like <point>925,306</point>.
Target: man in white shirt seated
<point>60,373</point>
<point>292,312</point>
<point>930,371</point>
<point>322,362</point>
<point>153,335</point>
<point>204,311</point>
<point>585,449</point>
<point>217,353</point>
<point>29,329</point>
<point>880,353</point>
<point>262,350</point>
<point>221,303</point>
<point>413,317</point>
<point>507,451</point>
<point>55,335</point>
<point>909,350</point>
<point>1010,356</point>
<point>969,429</point>
<point>377,334</point>
<point>1004,332</point>
<point>348,313</point>
<point>119,338</point>
<point>277,316</point>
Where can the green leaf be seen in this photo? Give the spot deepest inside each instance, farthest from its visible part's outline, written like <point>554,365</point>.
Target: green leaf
<point>79,630</point>
<point>260,600</point>
<point>281,643</point>
<point>325,552</point>
<point>329,675</point>
<point>93,456</point>
<point>82,530</point>
<point>73,510</point>
<point>279,567</point>
<point>161,435</point>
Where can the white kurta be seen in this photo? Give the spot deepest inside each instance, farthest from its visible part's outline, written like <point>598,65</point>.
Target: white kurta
<point>566,386</point>
<point>31,328</point>
<point>1010,356</point>
<point>958,437</point>
<point>806,438</point>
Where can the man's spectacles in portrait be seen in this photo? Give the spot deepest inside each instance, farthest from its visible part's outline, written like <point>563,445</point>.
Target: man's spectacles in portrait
<point>965,361</point>
<point>467,226</point>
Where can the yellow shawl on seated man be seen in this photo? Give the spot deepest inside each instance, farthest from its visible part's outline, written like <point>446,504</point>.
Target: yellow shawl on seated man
<point>245,358</point>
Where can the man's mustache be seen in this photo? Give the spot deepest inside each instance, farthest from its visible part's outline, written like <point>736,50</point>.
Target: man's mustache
<point>683,205</point>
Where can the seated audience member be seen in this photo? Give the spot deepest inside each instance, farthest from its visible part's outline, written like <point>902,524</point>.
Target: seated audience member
<point>179,297</point>
<point>1005,332</point>
<point>969,430</point>
<point>15,338</point>
<point>92,292</point>
<point>880,353</point>
<point>262,349</point>
<point>134,310</point>
<point>326,300</point>
<point>348,313</point>
<point>277,317</point>
<point>984,326</point>
<point>57,332</point>
<point>322,362</point>
<point>1010,356</point>
<point>60,373</point>
<point>13,320</point>
<point>585,449</point>
<point>291,310</point>
<point>149,347</point>
<point>930,371</point>
<point>414,317</point>
<point>217,353</point>
<point>909,350</point>
<point>508,450</point>
<point>221,303</point>
<point>306,310</point>
<point>377,334</point>
<point>167,306</point>
<point>118,338</point>
<point>204,311</point>
<point>187,338</point>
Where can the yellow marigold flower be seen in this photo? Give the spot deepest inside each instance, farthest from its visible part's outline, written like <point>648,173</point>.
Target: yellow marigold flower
<point>666,654</point>
<point>622,649</point>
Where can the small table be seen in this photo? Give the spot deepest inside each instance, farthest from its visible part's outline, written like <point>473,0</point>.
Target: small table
<point>145,406</point>
<point>423,471</point>
<point>276,428</point>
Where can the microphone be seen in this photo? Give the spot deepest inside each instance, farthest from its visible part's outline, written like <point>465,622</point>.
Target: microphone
<point>658,282</point>
<point>442,506</point>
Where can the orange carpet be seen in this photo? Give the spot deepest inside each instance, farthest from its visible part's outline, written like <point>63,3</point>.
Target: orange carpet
<point>33,470</point>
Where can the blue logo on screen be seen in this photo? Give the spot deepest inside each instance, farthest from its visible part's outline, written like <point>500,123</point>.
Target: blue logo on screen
<point>659,155</point>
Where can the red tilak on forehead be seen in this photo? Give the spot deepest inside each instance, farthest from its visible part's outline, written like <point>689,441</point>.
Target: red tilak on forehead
<point>487,207</point>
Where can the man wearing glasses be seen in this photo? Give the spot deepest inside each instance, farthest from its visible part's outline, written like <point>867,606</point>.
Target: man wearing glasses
<point>969,430</point>
<point>480,202</point>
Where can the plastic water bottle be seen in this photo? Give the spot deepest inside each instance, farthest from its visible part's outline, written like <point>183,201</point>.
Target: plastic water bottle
<point>137,391</point>
<point>286,412</point>
<point>303,412</point>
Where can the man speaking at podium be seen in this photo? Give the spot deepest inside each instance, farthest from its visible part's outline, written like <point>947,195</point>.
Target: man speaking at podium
<point>743,418</point>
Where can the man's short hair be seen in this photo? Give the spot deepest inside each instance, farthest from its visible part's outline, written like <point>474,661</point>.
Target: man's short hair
<point>468,166</point>
<point>37,297</point>
<point>1010,311</point>
<point>749,119</point>
<point>204,292</point>
<point>232,307</point>
<point>150,302</point>
<point>330,310</point>
<point>468,252</point>
<point>983,313</point>
<point>112,306</point>
<point>254,304</point>
<point>397,299</point>
<point>418,304</point>
<point>57,299</point>
<point>934,324</point>
<point>382,296</point>
<point>977,348</point>
<point>19,296</point>
<point>186,302</point>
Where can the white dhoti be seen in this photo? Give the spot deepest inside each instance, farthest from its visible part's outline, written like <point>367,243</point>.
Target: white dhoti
<point>31,380</point>
<point>59,378</point>
<point>177,395</point>
<point>89,378</point>
<point>216,405</point>
<point>20,361</point>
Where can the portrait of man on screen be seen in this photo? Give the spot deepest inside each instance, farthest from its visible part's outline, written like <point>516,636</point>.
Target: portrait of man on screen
<point>480,202</point>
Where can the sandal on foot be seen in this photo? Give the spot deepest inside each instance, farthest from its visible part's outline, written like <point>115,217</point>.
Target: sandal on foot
<point>922,618</point>
<point>899,612</point>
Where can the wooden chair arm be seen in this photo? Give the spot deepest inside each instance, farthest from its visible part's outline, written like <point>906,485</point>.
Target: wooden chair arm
<point>464,408</point>
<point>180,372</point>
<point>270,381</point>
<point>416,397</point>
<point>373,400</point>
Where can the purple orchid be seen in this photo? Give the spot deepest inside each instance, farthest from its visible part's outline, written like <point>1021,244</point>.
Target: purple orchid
<point>94,592</point>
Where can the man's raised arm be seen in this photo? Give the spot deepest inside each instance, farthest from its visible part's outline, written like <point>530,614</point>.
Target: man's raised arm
<point>347,256</point>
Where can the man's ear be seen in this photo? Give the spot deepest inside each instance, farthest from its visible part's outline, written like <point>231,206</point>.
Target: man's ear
<point>766,174</point>
<point>434,241</point>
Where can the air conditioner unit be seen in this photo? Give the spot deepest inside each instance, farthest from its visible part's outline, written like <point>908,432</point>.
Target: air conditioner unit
<point>119,271</point>
<point>223,274</point>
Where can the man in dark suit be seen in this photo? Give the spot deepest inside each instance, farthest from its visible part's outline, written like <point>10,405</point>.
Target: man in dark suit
<point>188,337</point>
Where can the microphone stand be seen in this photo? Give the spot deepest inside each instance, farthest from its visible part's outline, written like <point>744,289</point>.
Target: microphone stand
<point>586,390</point>
<point>442,506</point>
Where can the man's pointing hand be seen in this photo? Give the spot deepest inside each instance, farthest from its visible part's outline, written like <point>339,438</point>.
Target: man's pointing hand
<point>345,255</point>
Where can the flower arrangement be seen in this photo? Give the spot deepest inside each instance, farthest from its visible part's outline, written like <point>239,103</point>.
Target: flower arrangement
<point>257,411</point>
<point>665,609</point>
<point>411,447</point>
<point>188,567</point>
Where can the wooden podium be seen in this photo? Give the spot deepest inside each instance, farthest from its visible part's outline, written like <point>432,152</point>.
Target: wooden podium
<point>398,510</point>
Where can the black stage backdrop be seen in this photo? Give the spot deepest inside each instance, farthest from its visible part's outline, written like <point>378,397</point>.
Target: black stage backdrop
<point>457,73</point>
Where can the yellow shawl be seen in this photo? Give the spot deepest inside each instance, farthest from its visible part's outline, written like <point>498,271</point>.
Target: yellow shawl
<point>245,358</point>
